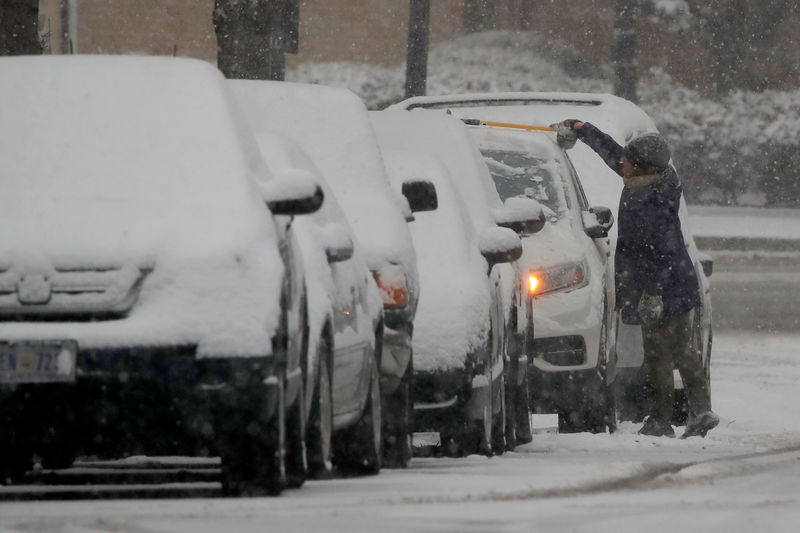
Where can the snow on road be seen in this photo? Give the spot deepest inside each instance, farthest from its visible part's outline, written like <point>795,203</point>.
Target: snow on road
<point>731,481</point>
<point>747,222</point>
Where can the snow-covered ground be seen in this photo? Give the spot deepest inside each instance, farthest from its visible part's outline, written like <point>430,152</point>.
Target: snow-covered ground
<point>741,478</point>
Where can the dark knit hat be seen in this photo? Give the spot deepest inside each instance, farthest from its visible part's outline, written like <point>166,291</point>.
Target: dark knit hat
<point>649,152</point>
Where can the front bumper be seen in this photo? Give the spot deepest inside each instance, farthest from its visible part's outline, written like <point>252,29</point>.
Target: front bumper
<point>567,330</point>
<point>566,391</point>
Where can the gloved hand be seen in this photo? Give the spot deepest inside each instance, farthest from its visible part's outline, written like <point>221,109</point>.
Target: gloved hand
<point>566,136</point>
<point>650,309</point>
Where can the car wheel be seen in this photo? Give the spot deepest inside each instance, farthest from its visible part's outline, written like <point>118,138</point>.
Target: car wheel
<point>253,446</point>
<point>499,422</point>
<point>319,434</point>
<point>522,408</point>
<point>359,449</point>
<point>296,458</point>
<point>15,461</point>
<point>397,425</point>
<point>707,360</point>
<point>600,405</point>
<point>514,350</point>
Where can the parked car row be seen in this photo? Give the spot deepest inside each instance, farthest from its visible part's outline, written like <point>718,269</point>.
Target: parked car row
<point>269,273</point>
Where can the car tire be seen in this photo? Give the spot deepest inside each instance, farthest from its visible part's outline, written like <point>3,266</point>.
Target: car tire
<point>15,461</point>
<point>514,350</point>
<point>296,456</point>
<point>253,447</point>
<point>522,409</point>
<point>319,433</point>
<point>358,450</point>
<point>397,424</point>
<point>499,421</point>
<point>600,409</point>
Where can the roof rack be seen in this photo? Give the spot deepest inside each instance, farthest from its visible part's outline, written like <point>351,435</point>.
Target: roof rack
<point>503,101</point>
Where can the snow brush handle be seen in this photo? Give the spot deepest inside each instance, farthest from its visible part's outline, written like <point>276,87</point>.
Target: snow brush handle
<point>476,122</point>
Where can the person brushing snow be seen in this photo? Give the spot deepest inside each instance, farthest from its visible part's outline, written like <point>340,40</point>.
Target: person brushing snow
<point>656,284</point>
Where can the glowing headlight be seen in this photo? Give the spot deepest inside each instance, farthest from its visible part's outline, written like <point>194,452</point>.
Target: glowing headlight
<point>533,283</point>
<point>567,276</point>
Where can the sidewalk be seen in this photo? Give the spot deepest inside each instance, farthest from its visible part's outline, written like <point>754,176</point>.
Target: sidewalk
<point>745,228</point>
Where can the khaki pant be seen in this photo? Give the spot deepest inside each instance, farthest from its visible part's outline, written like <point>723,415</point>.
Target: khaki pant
<point>666,346</point>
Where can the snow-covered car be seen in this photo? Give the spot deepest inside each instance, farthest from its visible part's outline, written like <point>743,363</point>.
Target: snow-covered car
<point>150,297</point>
<point>623,120</point>
<point>571,278</point>
<point>345,311</point>
<point>472,303</point>
<point>332,125</point>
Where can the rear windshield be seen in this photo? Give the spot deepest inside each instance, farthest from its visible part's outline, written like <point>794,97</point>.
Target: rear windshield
<point>520,174</point>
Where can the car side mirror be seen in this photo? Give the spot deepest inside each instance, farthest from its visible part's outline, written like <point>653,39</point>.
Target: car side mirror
<point>295,192</point>
<point>597,221</point>
<point>421,195</point>
<point>707,262</point>
<point>523,215</point>
<point>500,245</point>
<point>337,243</point>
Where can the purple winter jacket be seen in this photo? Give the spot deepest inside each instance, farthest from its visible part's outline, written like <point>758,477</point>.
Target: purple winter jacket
<point>651,254</point>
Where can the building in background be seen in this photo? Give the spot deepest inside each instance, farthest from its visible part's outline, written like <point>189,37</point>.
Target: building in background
<point>375,31</point>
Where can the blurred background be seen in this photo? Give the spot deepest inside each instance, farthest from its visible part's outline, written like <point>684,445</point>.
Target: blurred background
<point>721,78</point>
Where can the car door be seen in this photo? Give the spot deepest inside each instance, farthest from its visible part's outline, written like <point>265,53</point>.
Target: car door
<point>353,336</point>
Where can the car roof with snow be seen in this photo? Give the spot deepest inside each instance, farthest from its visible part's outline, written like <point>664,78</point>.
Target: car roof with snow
<point>446,139</point>
<point>143,144</point>
<point>333,127</point>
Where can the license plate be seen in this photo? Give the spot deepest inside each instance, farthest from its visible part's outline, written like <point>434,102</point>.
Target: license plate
<point>37,361</point>
<point>426,438</point>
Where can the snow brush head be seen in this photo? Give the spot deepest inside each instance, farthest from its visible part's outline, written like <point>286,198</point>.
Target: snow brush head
<point>650,152</point>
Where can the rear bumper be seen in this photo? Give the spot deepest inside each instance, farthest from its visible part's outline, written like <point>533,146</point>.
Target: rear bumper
<point>139,401</point>
<point>456,396</point>
<point>395,356</point>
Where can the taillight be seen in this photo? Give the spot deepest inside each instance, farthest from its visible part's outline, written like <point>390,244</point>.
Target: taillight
<point>392,285</point>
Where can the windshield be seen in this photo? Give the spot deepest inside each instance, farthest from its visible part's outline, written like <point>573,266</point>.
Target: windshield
<point>522,174</point>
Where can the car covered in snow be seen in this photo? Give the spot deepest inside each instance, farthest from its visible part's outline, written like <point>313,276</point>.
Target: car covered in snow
<point>570,276</point>
<point>332,126</point>
<point>472,316</point>
<point>623,120</point>
<point>150,298</point>
<point>345,311</point>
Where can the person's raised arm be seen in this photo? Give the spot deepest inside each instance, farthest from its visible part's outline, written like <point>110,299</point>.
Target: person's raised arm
<point>602,143</point>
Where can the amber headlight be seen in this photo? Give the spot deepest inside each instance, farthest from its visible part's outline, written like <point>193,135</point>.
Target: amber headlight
<point>567,276</point>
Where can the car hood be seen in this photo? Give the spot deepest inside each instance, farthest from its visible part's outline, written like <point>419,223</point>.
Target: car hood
<point>555,244</point>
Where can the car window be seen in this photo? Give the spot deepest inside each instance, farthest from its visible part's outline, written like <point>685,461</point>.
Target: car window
<point>582,201</point>
<point>518,173</point>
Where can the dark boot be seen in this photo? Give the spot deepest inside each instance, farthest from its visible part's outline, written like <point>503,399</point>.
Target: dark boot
<point>656,428</point>
<point>699,425</point>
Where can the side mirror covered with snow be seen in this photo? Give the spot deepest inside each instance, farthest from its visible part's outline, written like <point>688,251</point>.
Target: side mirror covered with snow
<point>523,215</point>
<point>597,221</point>
<point>707,263</point>
<point>337,242</point>
<point>295,192</point>
<point>421,195</point>
<point>500,245</point>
